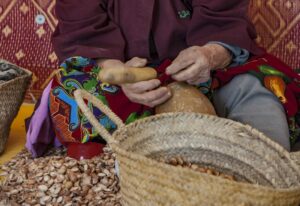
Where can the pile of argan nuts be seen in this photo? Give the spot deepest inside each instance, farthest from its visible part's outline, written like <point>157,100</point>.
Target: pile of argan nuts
<point>56,179</point>
<point>59,180</point>
<point>181,162</point>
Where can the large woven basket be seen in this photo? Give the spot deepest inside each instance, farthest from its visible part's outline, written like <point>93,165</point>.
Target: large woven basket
<point>213,142</point>
<point>11,97</point>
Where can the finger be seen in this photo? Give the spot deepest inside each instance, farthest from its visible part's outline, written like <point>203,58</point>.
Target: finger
<point>203,74</point>
<point>182,61</point>
<point>147,97</point>
<point>160,100</point>
<point>189,73</point>
<point>112,63</point>
<point>141,87</point>
<point>198,81</point>
<point>136,62</point>
<point>157,95</point>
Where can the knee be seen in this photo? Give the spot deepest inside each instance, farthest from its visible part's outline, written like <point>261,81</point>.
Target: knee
<point>245,87</point>
<point>245,79</point>
<point>245,83</point>
<point>241,87</point>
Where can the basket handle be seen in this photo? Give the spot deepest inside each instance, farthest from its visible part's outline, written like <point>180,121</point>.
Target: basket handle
<point>79,95</point>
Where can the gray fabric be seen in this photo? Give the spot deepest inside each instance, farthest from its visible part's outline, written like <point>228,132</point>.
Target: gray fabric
<point>239,55</point>
<point>8,72</point>
<point>245,100</point>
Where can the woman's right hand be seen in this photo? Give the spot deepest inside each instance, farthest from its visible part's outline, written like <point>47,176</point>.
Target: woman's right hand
<point>148,93</point>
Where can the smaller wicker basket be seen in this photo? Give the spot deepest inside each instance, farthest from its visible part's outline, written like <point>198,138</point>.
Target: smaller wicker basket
<point>12,95</point>
<point>227,146</point>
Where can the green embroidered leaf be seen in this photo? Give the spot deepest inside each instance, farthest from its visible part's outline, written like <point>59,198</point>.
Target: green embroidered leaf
<point>184,14</point>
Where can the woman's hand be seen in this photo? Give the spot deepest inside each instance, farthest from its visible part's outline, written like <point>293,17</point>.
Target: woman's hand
<point>148,93</point>
<point>194,64</point>
<point>110,63</point>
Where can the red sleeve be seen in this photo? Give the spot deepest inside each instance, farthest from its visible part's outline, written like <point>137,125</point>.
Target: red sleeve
<point>85,29</point>
<point>222,20</point>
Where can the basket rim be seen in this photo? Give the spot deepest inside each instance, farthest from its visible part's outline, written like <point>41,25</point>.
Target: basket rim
<point>257,133</point>
<point>247,127</point>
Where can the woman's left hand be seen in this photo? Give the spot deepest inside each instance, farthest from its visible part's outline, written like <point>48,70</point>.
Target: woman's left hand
<point>194,64</point>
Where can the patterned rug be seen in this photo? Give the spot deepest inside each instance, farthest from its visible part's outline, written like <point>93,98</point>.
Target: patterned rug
<point>278,26</point>
<point>26,27</point>
<point>25,31</point>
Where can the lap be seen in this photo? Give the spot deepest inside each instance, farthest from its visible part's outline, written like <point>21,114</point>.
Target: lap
<point>245,99</point>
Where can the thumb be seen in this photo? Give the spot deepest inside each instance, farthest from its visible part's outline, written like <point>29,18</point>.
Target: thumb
<point>136,62</point>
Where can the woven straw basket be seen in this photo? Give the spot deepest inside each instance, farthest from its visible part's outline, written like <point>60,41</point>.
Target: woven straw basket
<point>11,97</point>
<point>221,144</point>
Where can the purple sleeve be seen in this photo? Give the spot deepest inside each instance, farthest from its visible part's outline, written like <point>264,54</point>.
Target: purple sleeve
<point>85,29</point>
<point>224,21</point>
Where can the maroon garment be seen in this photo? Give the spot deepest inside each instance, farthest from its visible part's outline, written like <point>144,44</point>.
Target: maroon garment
<point>120,29</point>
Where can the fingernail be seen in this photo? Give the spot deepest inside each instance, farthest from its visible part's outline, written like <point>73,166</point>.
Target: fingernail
<point>167,71</point>
<point>158,82</point>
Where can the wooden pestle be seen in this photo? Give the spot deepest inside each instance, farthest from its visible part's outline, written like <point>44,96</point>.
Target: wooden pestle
<point>185,98</point>
<point>126,75</point>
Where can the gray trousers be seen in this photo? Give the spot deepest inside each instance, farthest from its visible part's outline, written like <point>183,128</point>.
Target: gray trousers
<point>245,100</point>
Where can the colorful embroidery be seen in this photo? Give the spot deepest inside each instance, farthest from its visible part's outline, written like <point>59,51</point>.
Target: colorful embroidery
<point>70,124</point>
<point>184,14</point>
